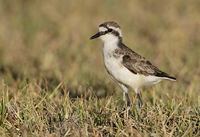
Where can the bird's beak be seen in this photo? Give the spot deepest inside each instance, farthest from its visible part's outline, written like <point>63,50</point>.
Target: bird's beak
<point>98,34</point>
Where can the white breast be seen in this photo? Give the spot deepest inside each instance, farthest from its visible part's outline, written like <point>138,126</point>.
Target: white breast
<point>115,67</point>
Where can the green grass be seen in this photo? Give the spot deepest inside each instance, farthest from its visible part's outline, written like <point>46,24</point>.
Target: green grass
<point>53,81</point>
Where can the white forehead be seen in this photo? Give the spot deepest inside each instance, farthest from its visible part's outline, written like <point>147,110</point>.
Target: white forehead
<point>111,27</point>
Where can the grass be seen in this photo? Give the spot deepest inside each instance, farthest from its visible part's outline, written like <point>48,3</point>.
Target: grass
<point>53,81</point>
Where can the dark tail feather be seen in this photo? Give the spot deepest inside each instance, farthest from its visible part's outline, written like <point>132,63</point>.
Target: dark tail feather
<point>166,76</point>
<point>171,78</point>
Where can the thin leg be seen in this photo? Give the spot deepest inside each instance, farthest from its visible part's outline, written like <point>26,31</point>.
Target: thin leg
<point>128,101</point>
<point>139,102</point>
<point>126,96</point>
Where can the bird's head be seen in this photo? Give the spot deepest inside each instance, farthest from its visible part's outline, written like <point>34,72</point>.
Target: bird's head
<point>108,31</point>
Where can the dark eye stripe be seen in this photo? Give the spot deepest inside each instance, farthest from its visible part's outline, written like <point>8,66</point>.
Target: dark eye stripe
<point>107,31</point>
<point>110,30</point>
<point>115,33</point>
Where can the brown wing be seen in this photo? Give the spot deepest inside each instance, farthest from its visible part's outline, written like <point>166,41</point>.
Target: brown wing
<point>139,65</point>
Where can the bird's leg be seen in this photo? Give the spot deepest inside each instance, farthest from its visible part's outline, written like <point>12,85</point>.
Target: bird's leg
<point>128,101</point>
<point>126,96</point>
<point>139,102</point>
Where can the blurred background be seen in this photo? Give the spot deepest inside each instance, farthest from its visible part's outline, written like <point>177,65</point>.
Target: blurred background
<point>53,80</point>
<point>49,39</point>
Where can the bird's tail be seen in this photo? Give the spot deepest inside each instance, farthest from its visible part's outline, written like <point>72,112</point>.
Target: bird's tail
<point>166,76</point>
<point>170,78</point>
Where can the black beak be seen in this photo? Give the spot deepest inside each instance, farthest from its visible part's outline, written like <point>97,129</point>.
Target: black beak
<point>98,34</point>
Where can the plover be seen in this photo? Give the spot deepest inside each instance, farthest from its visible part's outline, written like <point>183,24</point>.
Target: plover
<point>127,68</point>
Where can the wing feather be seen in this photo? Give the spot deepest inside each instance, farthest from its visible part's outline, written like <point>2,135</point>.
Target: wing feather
<point>138,64</point>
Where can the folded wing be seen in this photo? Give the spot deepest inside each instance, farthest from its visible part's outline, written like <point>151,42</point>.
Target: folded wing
<point>139,65</point>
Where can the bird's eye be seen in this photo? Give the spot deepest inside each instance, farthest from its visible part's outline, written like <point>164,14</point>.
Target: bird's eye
<point>110,30</point>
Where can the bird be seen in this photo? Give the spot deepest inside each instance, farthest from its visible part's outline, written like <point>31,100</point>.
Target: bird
<point>129,69</point>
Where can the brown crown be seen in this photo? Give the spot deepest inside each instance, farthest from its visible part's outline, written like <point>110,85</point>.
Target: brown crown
<point>109,23</point>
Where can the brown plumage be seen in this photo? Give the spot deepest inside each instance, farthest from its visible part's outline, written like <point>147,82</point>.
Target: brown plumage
<point>109,23</point>
<point>138,64</point>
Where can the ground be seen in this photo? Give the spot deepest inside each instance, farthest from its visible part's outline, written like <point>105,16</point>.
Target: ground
<point>53,81</point>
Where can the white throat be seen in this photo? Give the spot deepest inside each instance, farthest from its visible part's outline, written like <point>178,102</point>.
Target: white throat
<point>109,39</point>
<point>110,43</point>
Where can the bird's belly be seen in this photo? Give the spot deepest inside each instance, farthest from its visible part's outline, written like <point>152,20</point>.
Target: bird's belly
<point>123,75</point>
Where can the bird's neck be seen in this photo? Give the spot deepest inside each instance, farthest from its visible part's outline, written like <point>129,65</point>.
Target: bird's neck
<point>111,43</point>
<point>110,47</point>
